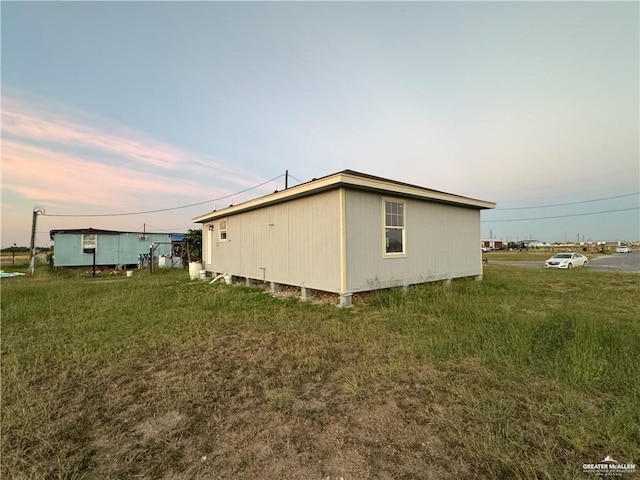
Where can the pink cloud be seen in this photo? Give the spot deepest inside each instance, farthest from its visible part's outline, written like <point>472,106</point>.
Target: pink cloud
<point>23,120</point>
<point>43,175</point>
<point>73,162</point>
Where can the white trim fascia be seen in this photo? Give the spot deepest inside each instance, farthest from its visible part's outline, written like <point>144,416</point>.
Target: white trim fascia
<point>395,189</point>
<point>347,180</point>
<point>278,197</point>
<point>343,240</point>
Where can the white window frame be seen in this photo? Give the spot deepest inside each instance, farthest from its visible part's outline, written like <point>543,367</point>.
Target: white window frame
<point>403,228</point>
<point>88,242</point>
<point>223,228</point>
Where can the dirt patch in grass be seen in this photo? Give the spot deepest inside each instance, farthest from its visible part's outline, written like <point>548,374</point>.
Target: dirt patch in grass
<point>244,403</point>
<point>157,427</point>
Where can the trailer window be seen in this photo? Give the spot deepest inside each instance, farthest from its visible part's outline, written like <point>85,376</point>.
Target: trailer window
<point>89,242</point>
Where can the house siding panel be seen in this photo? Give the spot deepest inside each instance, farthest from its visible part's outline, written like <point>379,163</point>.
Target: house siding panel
<point>294,243</point>
<point>441,242</point>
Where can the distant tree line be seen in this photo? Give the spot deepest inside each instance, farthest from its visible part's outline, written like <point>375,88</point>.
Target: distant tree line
<point>25,249</point>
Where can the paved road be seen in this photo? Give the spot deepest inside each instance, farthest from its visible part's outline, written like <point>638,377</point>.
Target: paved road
<point>616,262</point>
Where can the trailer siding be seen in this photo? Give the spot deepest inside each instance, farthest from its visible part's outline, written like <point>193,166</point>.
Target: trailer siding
<point>112,249</point>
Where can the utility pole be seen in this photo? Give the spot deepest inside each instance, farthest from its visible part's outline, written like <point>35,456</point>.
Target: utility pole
<point>32,249</point>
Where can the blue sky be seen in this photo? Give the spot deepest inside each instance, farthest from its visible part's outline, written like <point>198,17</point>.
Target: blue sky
<point>125,107</point>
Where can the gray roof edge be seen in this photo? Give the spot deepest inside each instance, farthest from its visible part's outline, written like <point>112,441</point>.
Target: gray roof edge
<point>348,179</point>
<point>100,231</point>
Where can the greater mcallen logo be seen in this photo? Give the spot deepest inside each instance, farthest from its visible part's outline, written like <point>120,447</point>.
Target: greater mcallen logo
<point>608,467</point>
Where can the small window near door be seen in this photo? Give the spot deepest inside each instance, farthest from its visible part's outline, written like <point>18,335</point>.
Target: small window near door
<point>394,228</point>
<point>222,229</point>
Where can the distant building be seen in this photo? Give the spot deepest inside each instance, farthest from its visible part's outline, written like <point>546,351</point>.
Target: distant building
<point>347,232</point>
<point>524,244</point>
<point>72,247</point>
<point>493,245</point>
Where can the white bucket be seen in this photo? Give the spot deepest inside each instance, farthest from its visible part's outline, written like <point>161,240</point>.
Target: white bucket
<point>130,273</point>
<point>194,270</point>
<point>228,279</point>
<point>203,274</point>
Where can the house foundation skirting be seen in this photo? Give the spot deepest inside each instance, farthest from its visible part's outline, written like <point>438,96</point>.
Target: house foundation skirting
<point>345,300</point>
<point>306,293</point>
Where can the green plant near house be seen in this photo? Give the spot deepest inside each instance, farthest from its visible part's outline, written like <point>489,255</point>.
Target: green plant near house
<point>192,246</point>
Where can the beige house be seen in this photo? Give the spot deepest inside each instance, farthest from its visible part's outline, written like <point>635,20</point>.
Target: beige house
<point>345,233</point>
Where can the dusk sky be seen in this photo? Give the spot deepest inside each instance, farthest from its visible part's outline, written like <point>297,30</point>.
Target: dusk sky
<point>118,107</point>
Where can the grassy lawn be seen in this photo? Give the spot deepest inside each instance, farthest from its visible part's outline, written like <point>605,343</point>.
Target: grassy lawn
<point>527,374</point>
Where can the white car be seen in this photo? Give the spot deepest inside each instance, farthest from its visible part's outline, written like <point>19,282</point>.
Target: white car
<point>623,249</point>
<point>566,260</point>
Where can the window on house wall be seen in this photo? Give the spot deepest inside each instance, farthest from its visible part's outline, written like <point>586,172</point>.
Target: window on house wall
<point>394,228</point>
<point>222,229</point>
<point>89,242</point>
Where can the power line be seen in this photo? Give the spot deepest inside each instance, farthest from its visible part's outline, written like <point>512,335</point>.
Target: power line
<point>162,209</point>
<point>559,183</point>
<point>570,203</point>
<point>561,216</point>
<point>172,229</point>
<point>296,179</point>
<point>563,194</point>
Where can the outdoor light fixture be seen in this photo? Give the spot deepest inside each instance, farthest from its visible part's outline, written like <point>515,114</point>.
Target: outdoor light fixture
<point>211,227</point>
